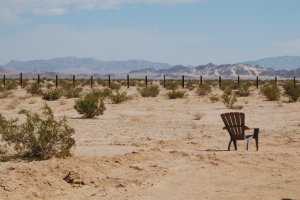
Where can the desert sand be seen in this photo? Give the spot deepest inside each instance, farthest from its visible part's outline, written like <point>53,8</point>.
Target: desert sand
<point>155,148</point>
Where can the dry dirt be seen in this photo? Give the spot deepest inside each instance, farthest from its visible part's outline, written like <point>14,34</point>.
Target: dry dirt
<point>154,148</point>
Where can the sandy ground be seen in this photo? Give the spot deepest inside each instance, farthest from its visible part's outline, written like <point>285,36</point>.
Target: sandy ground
<point>153,148</point>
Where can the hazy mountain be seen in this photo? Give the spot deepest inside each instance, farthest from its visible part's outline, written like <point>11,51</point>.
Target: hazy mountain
<point>212,70</point>
<point>5,70</point>
<point>73,65</point>
<point>278,63</point>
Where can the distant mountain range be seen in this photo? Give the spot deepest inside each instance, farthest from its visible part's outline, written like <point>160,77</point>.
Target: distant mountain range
<point>212,70</point>
<point>286,67</point>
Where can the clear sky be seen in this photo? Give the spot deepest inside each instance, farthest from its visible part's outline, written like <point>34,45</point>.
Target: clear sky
<point>188,32</point>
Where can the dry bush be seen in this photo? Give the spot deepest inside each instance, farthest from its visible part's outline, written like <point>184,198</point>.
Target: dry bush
<point>190,85</point>
<point>104,93</point>
<point>172,85</point>
<point>176,94</point>
<point>214,98</point>
<point>39,137</point>
<point>244,89</point>
<point>34,88</point>
<point>229,101</point>
<point>115,85</point>
<point>151,91</point>
<point>5,94</point>
<point>119,97</point>
<point>52,94</point>
<point>90,105</point>
<point>197,116</point>
<point>203,90</point>
<point>271,92</point>
<point>293,92</point>
<point>11,84</point>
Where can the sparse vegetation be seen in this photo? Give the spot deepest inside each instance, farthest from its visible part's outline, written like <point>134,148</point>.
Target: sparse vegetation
<point>151,91</point>
<point>230,100</point>
<point>203,90</point>
<point>293,92</point>
<point>272,92</point>
<point>119,97</point>
<point>34,89</point>
<point>172,85</point>
<point>175,94</point>
<point>244,89</point>
<point>90,105</point>
<point>52,94</point>
<point>39,137</point>
<point>73,92</point>
<point>214,98</point>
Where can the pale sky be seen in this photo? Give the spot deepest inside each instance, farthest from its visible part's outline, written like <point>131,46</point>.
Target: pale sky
<point>188,32</point>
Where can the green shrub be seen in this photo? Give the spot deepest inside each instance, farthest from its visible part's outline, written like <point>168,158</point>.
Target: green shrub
<point>104,93</point>
<point>244,89</point>
<point>90,105</point>
<point>190,85</point>
<point>229,101</point>
<point>52,94</point>
<point>151,91</point>
<point>38,137</point>
<point>119,97</point>
<point>175,94</point>
<point>34,89</point>
<point>73,92</point>
<point>171,85</point>
<point>203,90</point>
<point>115,86</point>
<point>272,92</point>
<point>292,92</point>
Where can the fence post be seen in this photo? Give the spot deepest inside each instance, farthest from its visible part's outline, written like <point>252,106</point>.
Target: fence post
<point>21,79</point>
<point>238,80</point>
<point>4,80</point>
<point>164,81</point>
<point>127,80</point>
<point>256,82</point>
<point>109,81</point>
<point>275,80</point>
<point>182,81</point>
<point>200,80</point>
<point>220,81</point>
<point>56,81</point>
<point>92,81</point>
<point>73,81</point>
<point>38,79</point>
<point>146,81</point>
<point>294,81</point>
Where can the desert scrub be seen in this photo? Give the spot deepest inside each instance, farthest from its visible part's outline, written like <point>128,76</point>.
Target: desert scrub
<point>272,92</point>
<point>293,92</point>
<point>104,93</point>
<point>229,101</point>
<point>119,97</point>
<point>39,137</point>
<point>73,92</point>
<point>34,89</point>
<point>172,85</point>
<point>151,91</point>
<point>214,98</point>
<point>90,105</point>
<point>244,89</point>
<point>115,85</point>
<point>203,90</point>
<point>229,85</point>
<point>190,85</point>
<point>52,94</point>
<point>175,94</point>
<point>11,84</point>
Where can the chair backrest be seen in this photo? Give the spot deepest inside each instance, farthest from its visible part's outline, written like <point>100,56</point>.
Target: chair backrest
<point>235,123</point>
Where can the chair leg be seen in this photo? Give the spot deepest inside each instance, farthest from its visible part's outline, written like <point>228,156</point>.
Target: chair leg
<point>256,131</point>
<point>234,143</point>
<point>229,145</point>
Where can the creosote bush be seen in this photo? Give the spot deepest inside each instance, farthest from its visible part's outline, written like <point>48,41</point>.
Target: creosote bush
<point>229,101</point>
<point>52,94</point>
<point>34,89</point>
<point>244,89</point>
<point>203,90</point>
<point>39,137</point>
<point>115,85</point>
<point>172,85</point>
<point>214,98</point>
<point>175,94</point>
<point>150,91</point>
<point>293,92</point>
<point>90,105</point>
<point>272,92</point>
<point>119,97</point>
<point>104,93</point>
<point>73,92</point>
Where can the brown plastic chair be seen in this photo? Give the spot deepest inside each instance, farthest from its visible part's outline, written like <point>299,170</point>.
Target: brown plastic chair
<point>235,125</point>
